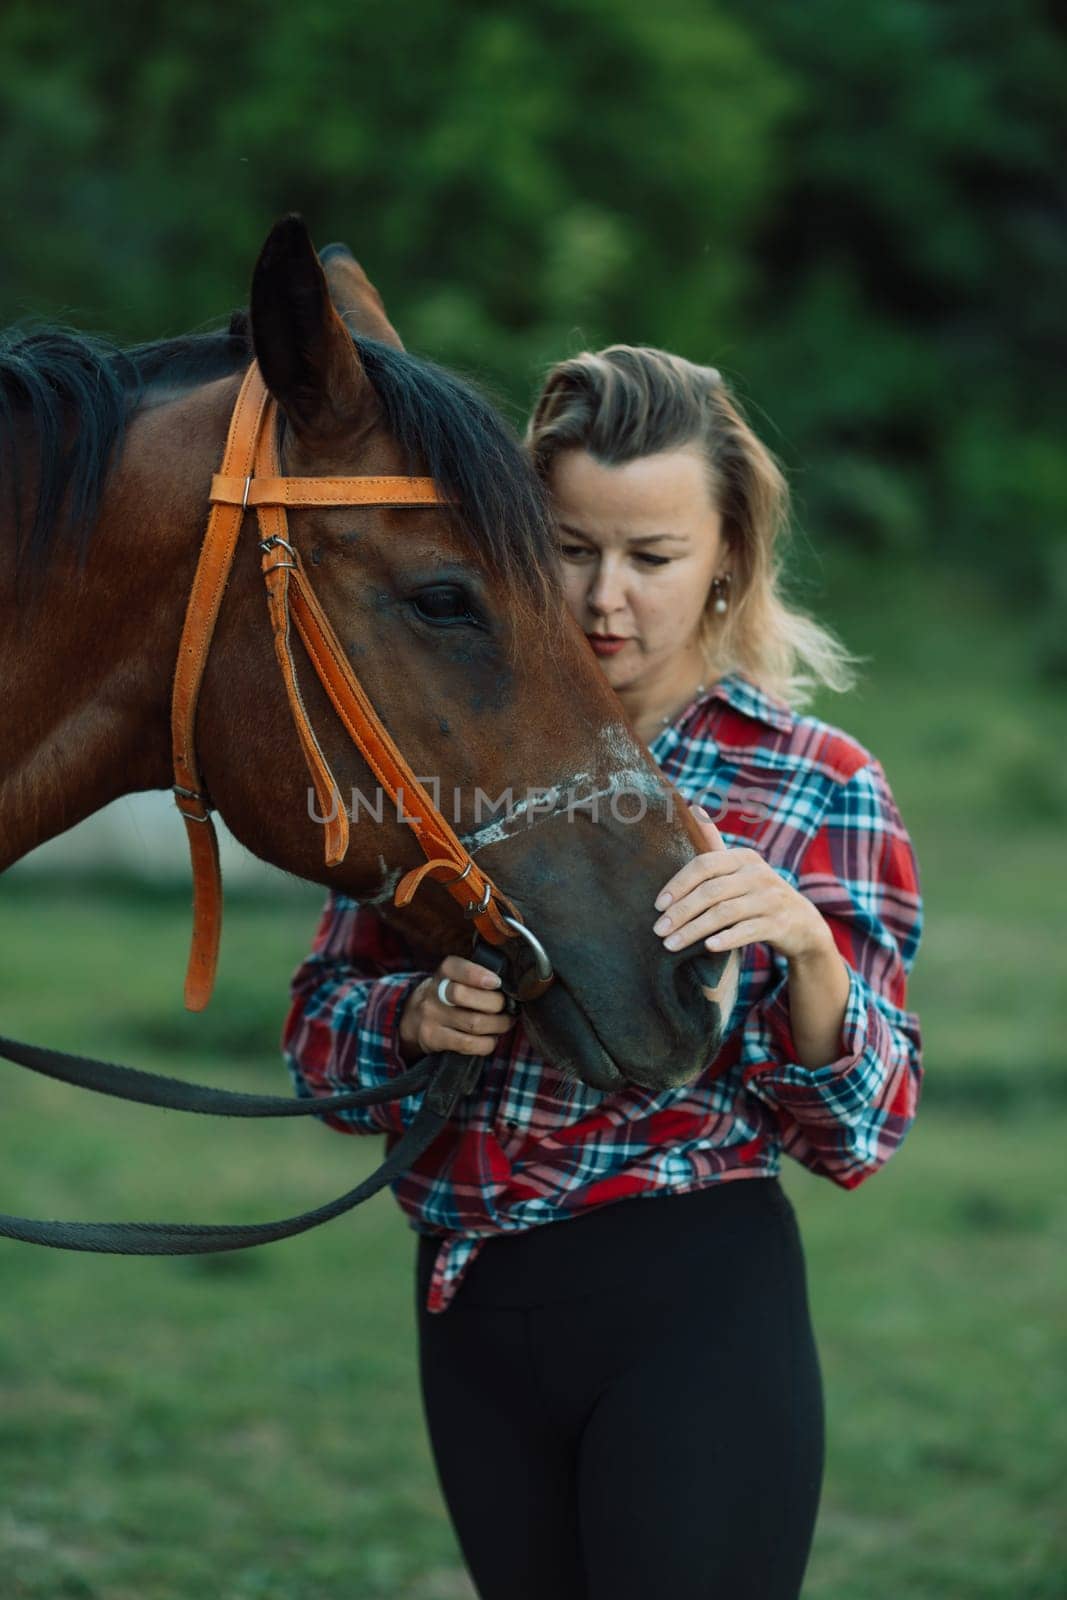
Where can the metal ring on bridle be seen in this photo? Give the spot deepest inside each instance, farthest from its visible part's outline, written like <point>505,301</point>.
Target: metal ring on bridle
<point>543,964</point>
<point>475,910</point>
<point>459,875</point>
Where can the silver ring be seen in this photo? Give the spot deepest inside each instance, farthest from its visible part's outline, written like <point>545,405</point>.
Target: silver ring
<point>543,964</point>
<point>442,996</point>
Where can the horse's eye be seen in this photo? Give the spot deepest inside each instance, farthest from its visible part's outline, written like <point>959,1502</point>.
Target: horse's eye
<point>444,606</point>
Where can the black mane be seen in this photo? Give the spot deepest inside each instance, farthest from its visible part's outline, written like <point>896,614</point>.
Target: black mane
<point>56,377</point>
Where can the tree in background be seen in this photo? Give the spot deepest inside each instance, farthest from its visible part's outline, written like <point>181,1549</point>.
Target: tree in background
<point>856,213</point>
<point>907,295</point>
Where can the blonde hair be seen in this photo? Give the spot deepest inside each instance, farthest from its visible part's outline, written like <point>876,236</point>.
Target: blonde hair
<point>629,401</point>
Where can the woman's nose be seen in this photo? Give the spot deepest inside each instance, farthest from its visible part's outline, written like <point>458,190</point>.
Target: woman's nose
<point>606,594</point>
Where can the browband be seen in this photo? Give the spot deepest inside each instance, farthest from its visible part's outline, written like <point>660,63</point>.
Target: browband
<point>272,491</point>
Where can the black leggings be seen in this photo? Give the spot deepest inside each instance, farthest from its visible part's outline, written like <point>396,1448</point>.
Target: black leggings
<point>627,1405</point>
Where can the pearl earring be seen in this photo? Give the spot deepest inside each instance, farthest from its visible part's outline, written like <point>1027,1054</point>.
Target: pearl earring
<point>718,585</point>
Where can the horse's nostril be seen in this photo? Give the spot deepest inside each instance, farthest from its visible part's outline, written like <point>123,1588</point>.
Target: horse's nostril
<point>696,972</point>
<point>706,969</point>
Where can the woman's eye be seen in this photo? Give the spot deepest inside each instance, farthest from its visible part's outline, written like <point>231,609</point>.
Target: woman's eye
<point>572,552</point>
<point>444,606</point>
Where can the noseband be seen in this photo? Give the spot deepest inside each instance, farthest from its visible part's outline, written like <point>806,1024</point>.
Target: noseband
<point>251,477</point>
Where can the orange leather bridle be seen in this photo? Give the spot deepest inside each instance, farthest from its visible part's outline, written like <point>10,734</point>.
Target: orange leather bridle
<point>250,477</point>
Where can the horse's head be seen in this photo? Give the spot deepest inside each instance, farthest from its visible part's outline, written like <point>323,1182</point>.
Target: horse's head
<point>453,620</point>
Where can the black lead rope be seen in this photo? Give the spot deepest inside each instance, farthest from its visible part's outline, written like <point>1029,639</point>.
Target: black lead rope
<point>447,1076</point>
<point>152,1089</point>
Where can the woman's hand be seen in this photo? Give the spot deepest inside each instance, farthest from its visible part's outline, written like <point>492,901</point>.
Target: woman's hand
<point>732,897</point>
<point>473,1022</point>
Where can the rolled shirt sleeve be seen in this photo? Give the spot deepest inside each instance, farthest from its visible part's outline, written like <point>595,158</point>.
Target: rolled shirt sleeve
<point>341,1031</point>
<point>845,1119</point>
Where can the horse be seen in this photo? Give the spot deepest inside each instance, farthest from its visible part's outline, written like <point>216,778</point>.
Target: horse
<point>451,613</point>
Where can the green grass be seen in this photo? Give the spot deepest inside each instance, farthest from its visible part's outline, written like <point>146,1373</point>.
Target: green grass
<point>248,1427</point>
<point>976,754</point>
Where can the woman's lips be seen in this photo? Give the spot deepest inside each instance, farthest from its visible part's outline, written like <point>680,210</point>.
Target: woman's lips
<point>605,644</point>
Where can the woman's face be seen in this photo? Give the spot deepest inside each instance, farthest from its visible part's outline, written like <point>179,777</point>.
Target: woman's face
<point>640,544</point>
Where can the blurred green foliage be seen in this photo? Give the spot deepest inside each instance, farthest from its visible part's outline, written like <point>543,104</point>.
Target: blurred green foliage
<point>857,213</point>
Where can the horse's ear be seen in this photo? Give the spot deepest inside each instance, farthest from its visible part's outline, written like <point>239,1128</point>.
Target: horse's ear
<point>304,350</point>
<point>358,301</point>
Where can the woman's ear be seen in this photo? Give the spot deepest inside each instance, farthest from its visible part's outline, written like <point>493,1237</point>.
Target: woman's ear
<point>304,350</point>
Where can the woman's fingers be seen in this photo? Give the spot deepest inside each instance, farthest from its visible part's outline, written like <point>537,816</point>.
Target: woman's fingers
<point>471,1031</point>
<point>469,984</point>
<point>712,892</point>
<point>470,1044</point>
<point>719,918</point>
<point>473,1018</point>
<point>471,1022</point>
<point>715,864</point>
<point>467,1020</point>
<point>469,972</point>
<point>469,999</point>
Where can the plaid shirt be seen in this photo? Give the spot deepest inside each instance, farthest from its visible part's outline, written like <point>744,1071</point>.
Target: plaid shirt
<point>529,1146</point>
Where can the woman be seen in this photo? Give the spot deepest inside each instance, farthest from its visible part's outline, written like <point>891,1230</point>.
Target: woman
<point>631,1405</point>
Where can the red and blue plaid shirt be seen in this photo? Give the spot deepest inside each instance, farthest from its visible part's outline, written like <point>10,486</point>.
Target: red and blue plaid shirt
<point>530,1146</point>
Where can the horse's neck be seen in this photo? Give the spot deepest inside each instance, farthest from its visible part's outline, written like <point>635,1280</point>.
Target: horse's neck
<point>71,768</point>
<point>87,666</point>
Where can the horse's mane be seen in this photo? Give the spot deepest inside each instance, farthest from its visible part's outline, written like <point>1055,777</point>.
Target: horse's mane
<point>77,392</point>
